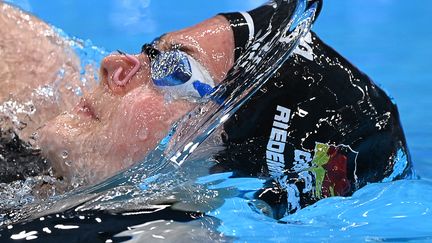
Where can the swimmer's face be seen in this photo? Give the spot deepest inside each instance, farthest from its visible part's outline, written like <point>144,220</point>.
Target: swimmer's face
<point>127,115</point>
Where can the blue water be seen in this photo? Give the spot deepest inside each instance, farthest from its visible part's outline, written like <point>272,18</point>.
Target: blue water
<point>388,40</point>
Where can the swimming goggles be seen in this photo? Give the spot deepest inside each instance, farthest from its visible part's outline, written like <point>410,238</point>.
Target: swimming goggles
<point>178,74</point>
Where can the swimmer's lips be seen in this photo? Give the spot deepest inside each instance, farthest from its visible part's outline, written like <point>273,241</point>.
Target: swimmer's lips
<point>85,109</point>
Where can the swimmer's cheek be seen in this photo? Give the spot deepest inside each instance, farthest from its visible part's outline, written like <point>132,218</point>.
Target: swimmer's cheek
<point>148,118</point>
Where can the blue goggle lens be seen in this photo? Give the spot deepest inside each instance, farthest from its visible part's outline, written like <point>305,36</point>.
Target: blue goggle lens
<point>170,68</point>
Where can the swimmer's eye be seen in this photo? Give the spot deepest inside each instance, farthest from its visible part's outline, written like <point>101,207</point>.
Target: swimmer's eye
<point>151,51</point>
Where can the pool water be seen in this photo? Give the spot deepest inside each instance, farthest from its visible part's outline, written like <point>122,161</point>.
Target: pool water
<point>388,40</point>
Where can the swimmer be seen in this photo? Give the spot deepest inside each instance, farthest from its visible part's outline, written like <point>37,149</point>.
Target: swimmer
<point>318,128</point>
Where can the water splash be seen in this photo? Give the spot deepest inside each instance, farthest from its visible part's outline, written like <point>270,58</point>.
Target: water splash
<point>252,70</point>
<point>16,114</point>
<point>169,166</point>
<point>90,55</point>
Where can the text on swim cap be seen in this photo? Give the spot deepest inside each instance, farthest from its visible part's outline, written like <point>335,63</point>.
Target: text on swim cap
<point>276,144</point>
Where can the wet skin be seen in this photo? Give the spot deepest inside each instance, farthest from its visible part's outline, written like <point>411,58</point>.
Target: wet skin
<point>127,115</point>
<point>32,55</point>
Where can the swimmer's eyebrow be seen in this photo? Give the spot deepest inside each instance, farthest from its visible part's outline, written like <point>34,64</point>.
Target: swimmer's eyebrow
<point>165,45</point>
<point>157,39</point>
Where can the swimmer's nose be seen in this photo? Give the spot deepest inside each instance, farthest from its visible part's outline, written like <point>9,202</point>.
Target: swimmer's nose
<point>118,71</point>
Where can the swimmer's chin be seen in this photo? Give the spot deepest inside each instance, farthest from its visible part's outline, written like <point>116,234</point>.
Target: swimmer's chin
<point>76,170</point>
<point>80,156</point>
<point>58,141</point>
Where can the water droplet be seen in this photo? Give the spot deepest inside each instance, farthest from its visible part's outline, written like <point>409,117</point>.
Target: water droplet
<point>65,154</point>
<point>35,135</point>
<point>143,134</point>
